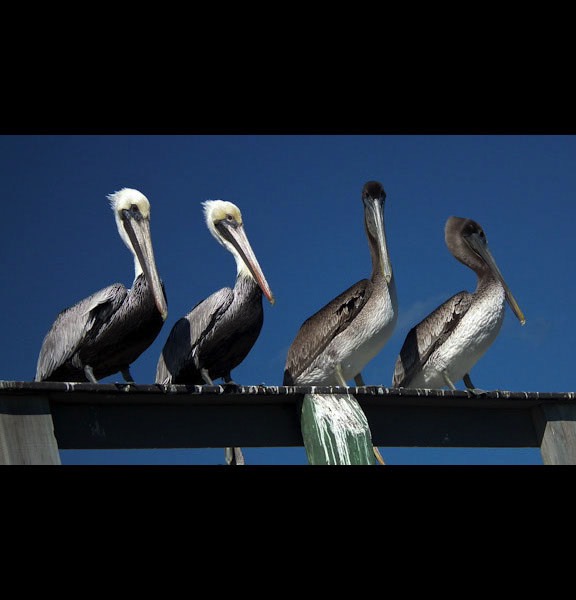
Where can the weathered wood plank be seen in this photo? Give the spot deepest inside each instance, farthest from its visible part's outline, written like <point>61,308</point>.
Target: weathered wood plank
<point>27,432</point>
<point>556,425</point>
<point>438,425</point>
<point>131,416</point>
<point>127,425</point>
<point>108,416</point>
<point>335,430</point>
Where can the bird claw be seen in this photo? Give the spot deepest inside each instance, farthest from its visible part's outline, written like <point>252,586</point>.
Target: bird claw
<point>477,391</point>
<point>231,386</point>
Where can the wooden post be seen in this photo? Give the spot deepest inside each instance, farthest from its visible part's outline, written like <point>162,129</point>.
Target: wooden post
<point>335,430</point>
<point>27,432</point>
<point>556,425</point>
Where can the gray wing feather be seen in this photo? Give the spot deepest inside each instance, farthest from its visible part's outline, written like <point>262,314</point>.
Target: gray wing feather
<point>319,329</point>
<point>188,332</point>
<point>72,326</point>
<point>428,335</point>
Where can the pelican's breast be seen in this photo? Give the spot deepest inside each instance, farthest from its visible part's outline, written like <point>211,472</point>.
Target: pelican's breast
<point>470,339</point>
<point>368,334</point>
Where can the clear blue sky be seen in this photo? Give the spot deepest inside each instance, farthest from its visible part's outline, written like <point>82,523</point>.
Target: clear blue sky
<point>300,199</point>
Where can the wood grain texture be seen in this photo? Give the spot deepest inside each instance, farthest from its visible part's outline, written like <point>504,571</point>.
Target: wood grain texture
<point>130,416</point>
<point>557,424</point>
<point>27,432</point>
<point>335,430</point>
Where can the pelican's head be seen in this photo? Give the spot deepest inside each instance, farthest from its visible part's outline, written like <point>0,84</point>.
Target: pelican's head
<point>467,242</point>
<point>373,196</point>
<point>133,202</point>
<point>132,212</point>
<point>216,211</point>
<point>224,220</point>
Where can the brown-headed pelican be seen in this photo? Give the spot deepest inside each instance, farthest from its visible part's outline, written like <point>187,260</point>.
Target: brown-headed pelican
<point>106,332</point>
<point>334,344</point>
<point>219,332</point>
<point>444,346</point>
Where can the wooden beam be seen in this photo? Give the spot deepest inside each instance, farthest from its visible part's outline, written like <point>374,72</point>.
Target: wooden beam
<point>36,415</point>
<point>169,424</point>
<point>27,432</point>
<point>268,417</point>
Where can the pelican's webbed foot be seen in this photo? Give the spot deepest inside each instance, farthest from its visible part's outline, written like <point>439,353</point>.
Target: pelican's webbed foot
<point>471,387</point>
<point>229,384</point>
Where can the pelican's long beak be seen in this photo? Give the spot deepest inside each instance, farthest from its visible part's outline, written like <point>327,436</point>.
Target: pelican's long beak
<point>138,230</point>
<point>236,235</point>
<point>376,229</point>
<point>479,245</point>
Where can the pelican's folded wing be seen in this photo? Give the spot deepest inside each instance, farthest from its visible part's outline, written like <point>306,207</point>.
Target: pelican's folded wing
<point>321,328</point>
<point>188,332</point>
<point>73,325</point>
<point>428,335</point>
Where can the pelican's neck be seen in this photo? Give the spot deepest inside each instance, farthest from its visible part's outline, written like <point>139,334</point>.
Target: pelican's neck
<point>137,268</point>
<point>486,280</point>
<point>245,279</point>
<point>241,268</point>
<point>377,260</point>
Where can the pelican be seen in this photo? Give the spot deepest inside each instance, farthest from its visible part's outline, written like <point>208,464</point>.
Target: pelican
<point>219,332</point>
<point>444,346</point>
<point>334,344</point>
<point>106,332</point>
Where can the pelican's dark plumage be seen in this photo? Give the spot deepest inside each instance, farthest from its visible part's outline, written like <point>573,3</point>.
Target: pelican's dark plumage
<point>219,332</point>
<point>106,332</point>
<point>334,344</point>
<point>443,347</point>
